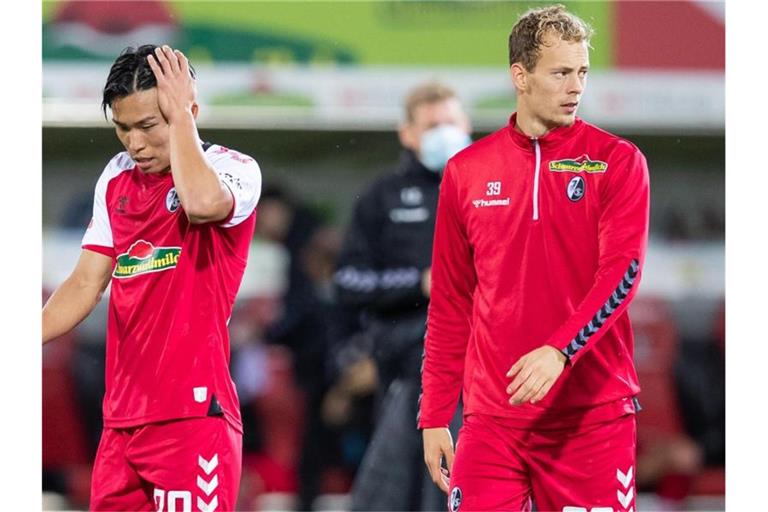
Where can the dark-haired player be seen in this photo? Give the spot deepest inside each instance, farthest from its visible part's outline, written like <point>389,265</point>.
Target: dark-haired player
<point>172,221</point>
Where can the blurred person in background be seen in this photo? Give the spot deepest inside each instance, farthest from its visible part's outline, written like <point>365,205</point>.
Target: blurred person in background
<point>322,441</point>
<point>173,218</point>
<point>286,221</point>
<point>384,270</point>
<point>539,244</point>
<point>306,326</point>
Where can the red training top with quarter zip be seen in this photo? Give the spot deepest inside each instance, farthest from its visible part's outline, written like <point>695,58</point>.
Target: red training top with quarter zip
<point>172,291</point>
<point>537,242</point>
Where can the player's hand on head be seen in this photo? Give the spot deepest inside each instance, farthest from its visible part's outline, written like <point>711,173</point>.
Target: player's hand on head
<point>534,374</point>
<point>176,90</point>
<point>438,444</point>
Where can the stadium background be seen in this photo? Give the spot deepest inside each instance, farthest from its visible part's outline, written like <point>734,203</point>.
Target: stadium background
<point>313,91</point>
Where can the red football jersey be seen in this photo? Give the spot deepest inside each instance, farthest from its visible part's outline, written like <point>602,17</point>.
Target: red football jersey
<point>537,242</point>
<point>172,291</point>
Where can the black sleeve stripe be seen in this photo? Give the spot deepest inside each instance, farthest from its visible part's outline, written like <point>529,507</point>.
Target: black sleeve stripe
<point>367,281</point>
<point>613,302</point>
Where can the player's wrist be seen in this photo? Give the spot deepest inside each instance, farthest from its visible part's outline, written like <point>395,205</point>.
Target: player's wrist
<point>182,117</point>
<point>560,355</point>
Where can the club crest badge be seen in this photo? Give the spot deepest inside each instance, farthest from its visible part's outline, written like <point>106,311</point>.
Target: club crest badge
<point>455,500</point>
<point>576,188</point>
<point>172,202</point>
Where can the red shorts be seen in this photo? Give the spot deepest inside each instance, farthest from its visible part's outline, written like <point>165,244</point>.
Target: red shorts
<point>590,468</point>
<point>183,465</point>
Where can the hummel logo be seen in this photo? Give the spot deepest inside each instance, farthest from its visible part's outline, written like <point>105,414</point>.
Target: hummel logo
<point>208,507</point>
<point>624,478</point>
<point>208,487</point>
<point>625,499</point>
<point>481,203</point>
<point>210,465</point>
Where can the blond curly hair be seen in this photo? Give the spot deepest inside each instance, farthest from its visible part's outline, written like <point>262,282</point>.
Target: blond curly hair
<point>528,34</point>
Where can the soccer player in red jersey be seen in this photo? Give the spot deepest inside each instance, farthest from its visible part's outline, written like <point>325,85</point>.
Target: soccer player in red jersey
<point>539,245</point>
<point>173,219</point>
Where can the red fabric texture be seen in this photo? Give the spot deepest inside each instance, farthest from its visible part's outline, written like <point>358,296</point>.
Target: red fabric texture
<point>500,467</point>
<point>505,282</point>
<point>144,468</point>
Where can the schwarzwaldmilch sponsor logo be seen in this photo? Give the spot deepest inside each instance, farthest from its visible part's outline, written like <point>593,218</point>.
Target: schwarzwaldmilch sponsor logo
<point>143,257</point>
<point>579,164</point>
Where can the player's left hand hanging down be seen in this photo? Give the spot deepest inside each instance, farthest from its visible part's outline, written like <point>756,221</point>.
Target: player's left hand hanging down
<point>534,374</point>
<point>176,89</point>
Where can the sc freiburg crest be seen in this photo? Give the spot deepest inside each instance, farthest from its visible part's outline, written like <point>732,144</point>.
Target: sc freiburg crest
<point>455,500</point>
<point>172,200</point>
<point>576,188</point>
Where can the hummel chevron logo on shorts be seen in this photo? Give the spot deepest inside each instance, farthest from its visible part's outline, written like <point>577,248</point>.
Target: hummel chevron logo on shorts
<point>208,486</point>
<point>208,466</point>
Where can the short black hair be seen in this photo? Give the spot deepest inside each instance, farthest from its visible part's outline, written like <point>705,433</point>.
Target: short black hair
<point>130,73</point>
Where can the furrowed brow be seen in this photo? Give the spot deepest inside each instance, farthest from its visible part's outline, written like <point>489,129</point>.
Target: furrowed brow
<point>145,120</point>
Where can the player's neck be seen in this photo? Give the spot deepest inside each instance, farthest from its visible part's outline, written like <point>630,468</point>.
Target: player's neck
<point>529,125</point>
<point>161,172</point>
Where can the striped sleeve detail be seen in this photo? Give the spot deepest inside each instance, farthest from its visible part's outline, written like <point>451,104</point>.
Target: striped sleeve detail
<point>612,304</point>
<point>366,281</point>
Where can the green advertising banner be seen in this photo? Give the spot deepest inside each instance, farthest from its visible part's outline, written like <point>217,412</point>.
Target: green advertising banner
<point>400,33</point>
<point>315,64</point>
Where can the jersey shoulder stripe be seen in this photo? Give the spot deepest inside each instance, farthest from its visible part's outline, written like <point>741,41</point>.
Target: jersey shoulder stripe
<point>99,232</point>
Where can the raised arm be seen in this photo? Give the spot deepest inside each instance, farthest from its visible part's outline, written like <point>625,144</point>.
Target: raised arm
<point>203,195</point>
<point>76,297</point>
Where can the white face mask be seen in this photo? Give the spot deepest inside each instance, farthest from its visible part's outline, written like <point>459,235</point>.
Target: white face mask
<point>440,143</point>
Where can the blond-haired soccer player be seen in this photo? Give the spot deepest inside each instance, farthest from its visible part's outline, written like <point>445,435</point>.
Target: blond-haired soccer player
<point>539,245</point>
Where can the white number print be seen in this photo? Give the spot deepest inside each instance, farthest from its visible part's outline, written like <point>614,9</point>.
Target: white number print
<point>173,498</point>
<point>494,188</point>
<point>585,509</point>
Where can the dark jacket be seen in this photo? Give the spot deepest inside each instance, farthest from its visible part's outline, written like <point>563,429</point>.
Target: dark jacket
<point>386,249</point>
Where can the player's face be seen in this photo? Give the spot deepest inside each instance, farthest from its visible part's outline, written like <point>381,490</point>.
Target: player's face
<point>143,130</point>
<point>550,94</point>
<point>429,115</point>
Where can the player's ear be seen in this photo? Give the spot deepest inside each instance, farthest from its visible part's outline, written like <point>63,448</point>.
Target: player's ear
<point>407,136</point>
<point>519,76</point>
<point>195,109</point>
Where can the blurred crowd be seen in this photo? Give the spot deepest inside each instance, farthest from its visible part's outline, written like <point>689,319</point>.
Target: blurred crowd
<point>309,385</point>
